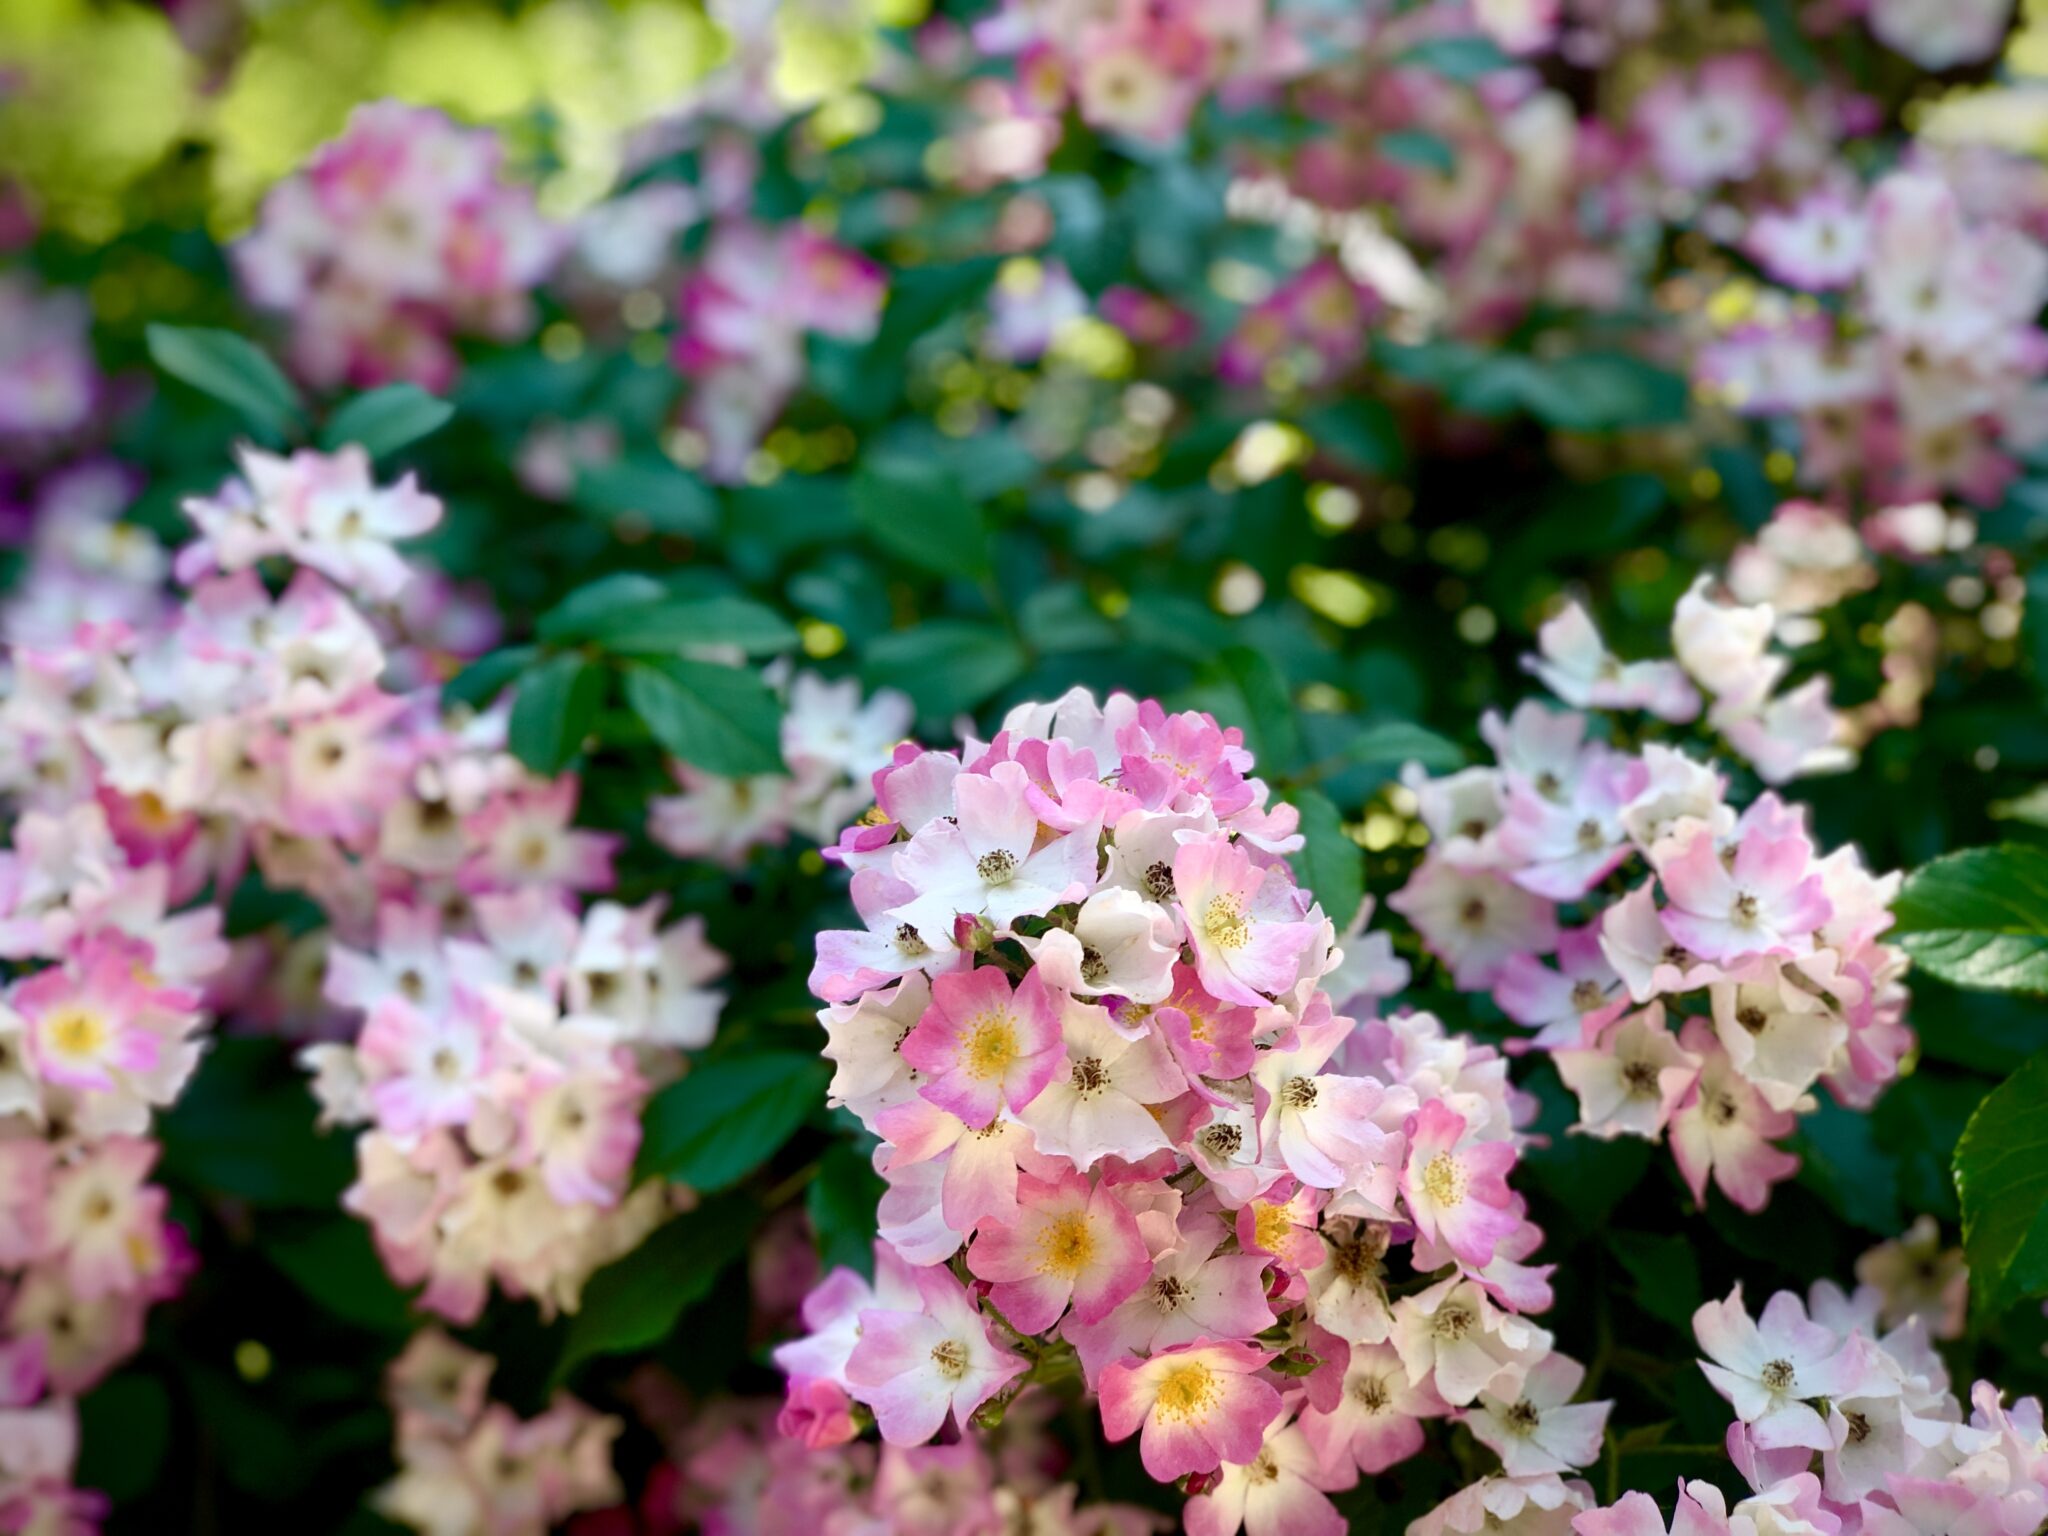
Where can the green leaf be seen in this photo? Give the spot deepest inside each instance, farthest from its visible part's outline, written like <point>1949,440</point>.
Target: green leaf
<point>1269,723</point>
<point>635,1303</point>
<point>841,1205</point>
<point>1365,432</point>
<point>1666,1273</point>
<point>713,1127</point>
<point>1425,151</point>
<point>721,719</point>
<point>1329,865</point>
<point>486,677</point>
<point>244,1127</point>
<point>232,370</point>
<point>1458,58</point>
<point>677,624</point>
<point>914,510</point>
<point>647,489</point>
<point>386,420</point>
<point>1979,918</point>
<point>945,665</point>
<point>335,1263</point>
<point>124,1431</point>
<point>555,709</point>
<point>1401,742</point>
<point>1844,1163</point>
<point>574,616</point>
<point>2001,1172</point>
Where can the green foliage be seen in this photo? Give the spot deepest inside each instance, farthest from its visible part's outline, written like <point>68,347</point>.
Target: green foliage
<point>915,511</point>
<point>554,711</point>
<point>719,718</point>
<point>725,1118</point>
<point>233,371</point>
<point>385,420</point>
<point>1329,863</point>
<point>1979,918</point>
<point>637,1301</point>
<point>2002,1176</point>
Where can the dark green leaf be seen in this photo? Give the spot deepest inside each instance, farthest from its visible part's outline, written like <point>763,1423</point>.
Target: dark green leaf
<point>233,370</point>
<point>245,1127</point>
<point>1844,1164</point>
<point>677,624</point>
<point>1423,150</point>
<point>589,605</point>
<point>945,665</point>
<point>1329,865</point>
<point>1364,431</point>
<point>1269,723</point>
<point>486,677</point>
<point>650,491</point>
<point>2002,1176</point>
<point>723,1120</point>
<point>334,1262</point>
<point>636,1302</point>
<point>1979,918</point>
<point>386,420</point>
<point>917,512</point>
<point>1401,742</point>
<point>1666,1274</point>
<point>555,709</point>
<point>124,1431</point>
<point>841,1205</point>
<point>721,719</point>
<point>1458,58</point>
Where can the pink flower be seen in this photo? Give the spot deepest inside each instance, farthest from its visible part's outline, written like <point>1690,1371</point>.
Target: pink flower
<point>1377,1419</point>
<point>914,1368</point>
<point>1763,896</point>
<point>1071,1242</point>
<point>1725,1128</point>
<point>1208,1037</point>
<point>1541,1430</point>
<point>86,1026</point>
<point>1769,1366</point>
<point>1457,1189</point>
<point>1100,1105</point>
<point>1193,1292</point>
<point>816,1413</point>
<point>989,862</point>
<point>1248,925</point>
<point>984,1047</point>
<point>1280,1493</point>
<point>1198,1405</point>
<point>1473,920</point>
<point>1575,664</point>
<point>1632,1081</point>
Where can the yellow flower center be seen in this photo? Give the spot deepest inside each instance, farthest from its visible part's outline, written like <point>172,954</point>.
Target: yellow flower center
<point>991,1045</point>
<point>77,1031</point>
<point>1186,1392</point>
<point>1066,1246</point>
<point>1270,1225</point>
<point>1443,1180</point>
<point>1223,921</point>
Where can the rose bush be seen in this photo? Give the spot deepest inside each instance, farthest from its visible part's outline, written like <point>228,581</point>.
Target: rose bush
<point>996,768</point>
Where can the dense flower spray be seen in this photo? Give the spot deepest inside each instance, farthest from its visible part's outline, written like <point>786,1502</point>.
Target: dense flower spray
<point>395,239</point>
<point>1139,1123</point>
<point>1693,964</point>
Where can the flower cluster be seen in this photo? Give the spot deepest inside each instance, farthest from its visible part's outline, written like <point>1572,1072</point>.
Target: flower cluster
<point>1710,998</point>
<point>470,1467</point>
<point>110,956</point>
<point>732,1472</point>
<point>502,1069</point>
<point>49,384</point>
<point>1127,1132</point>
<point>832,742</point>
<point>1844,1421</point>
<point>1922,375</point>
<point>745,309</point>
<point>395,239</point>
